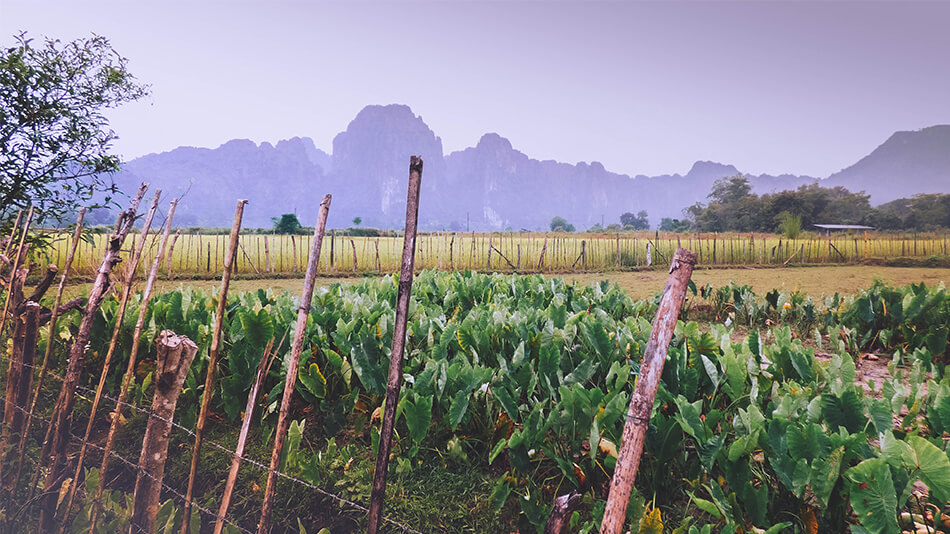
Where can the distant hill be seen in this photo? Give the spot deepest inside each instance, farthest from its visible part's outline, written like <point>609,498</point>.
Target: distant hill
<point>906,164</point>
<point>489,186</point>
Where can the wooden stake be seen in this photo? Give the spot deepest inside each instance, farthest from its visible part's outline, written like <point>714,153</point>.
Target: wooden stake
<point>107,363</point>
<point>175,354</point>
<point>399,343</point>
<point>644,393</point>
<point>171,251</point>
<point>130,368</point>
<point>19,373</point>
<point>16,225</point>
<point>77,234</point>
<point>61,421</point>
<point>262,370</point>
<point>283,418</point>
<point>267,264</point>
<point>212,362</point>
<point>352,244</point>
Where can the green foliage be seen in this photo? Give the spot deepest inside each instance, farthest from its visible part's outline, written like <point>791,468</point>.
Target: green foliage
<point>640,221</point>
<point>56,139</point>
<point>790,224</point>
<point>287,224</point>
<point>560,224</point>
<point>357,221</point>
<point>674,225</point>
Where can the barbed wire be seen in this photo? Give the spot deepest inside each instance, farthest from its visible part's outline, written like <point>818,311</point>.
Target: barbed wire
<point>228,451</point>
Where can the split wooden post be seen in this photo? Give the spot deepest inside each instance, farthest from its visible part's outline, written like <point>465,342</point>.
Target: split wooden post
<point>19,374</point>
<point>644,393</point>
<point>559,521</point>
<point>353,245</point>
<point>61,421</point>
<point>130,368</point>
<point>175,354</point>
<point>110,352</point>
<point>262,370</point>
<point>267,264</point>
<point>49,345</point>
<point>283,418</point>
<point>399,344</point>
<point>212,362</point>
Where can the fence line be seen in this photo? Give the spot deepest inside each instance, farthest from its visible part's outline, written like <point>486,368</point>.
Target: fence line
<point>199,255</point>
<point>227,451</point>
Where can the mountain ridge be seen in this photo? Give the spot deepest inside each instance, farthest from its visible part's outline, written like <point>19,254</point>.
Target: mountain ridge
<point>489,186</point>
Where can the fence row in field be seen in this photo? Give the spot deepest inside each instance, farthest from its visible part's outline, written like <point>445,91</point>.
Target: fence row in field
<point>266,255</point>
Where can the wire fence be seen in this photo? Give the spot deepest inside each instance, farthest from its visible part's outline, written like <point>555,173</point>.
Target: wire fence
<point>82,391</point>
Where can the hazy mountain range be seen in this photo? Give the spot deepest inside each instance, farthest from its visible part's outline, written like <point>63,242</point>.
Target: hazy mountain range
<point>488,186</point>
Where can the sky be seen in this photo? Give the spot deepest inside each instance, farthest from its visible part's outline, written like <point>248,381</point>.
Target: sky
<point>642,87</point>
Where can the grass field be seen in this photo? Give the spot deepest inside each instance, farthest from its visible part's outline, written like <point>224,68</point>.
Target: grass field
<point>201,256</point>
<point>816,281</point>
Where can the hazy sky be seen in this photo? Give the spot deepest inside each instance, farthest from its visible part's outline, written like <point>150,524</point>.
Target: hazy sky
<point>643,87</point>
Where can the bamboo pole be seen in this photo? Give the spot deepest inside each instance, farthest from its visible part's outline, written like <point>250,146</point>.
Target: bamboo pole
<point>644,393</point>
<point>107,363</point>
<point>130,368</point>
<point>283,419</point>
<point>61,421</point>
<point>262,370</point>
<point>399,344</point>
<point>77,234</point>
<point>175,354</point>
<point>212,362</point>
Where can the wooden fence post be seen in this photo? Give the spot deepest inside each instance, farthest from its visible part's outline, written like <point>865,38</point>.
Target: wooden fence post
<point>168,256</point>
<point>262,369</point>
<point>130,367</point>
<point>644,393</point>
<point>283,418</point>
<point>17,260</point>
<point>175,354</point>
<point>399,344</point>
<point>107,363</point>
<point>19,374</point>
<point>212,362</point>
<point>61,421</point>
<point>54,315</point>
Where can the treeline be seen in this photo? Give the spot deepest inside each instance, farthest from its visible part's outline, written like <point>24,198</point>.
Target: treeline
<point>733,207</point>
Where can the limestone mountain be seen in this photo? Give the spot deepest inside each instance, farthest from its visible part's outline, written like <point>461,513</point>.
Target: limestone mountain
<point>490,186</point>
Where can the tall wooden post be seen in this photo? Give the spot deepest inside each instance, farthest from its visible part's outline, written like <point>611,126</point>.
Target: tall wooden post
<point>399,344</point>
<point>62,414</point>
<point>130,367</point>
<point>644,393</point>
<point>110,352</point>
<point>77,233</point>
<point>213,360</point>
<point>283,418</point>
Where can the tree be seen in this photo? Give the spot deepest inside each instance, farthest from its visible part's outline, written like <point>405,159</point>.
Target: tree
<point>55,141</point>
<point>668,224</point>
<point>730,189</point>
<point>357,221</point>
<point>287,224</point>
<point>560,224</point>
<point>640,221</point>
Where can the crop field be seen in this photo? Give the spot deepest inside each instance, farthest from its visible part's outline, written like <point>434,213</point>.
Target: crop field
<point>197,255</point>
<point>514,392</point>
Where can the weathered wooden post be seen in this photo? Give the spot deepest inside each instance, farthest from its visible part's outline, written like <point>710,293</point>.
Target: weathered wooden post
<point>213,361</point>
<point>110,352</point>
<point>130,367</point>
<point>14,268</point>
<point>61,421</point>
<point>175,354</point>
<point>54,315</point>
<point>644,393</point>
<point>283,417</point>
<point>399,344</point>
<point>262,370</point>
<point>168,256</point>
<point>19,374</point>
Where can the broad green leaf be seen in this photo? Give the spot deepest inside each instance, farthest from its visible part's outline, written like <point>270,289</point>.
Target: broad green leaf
<point>873,497</point>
